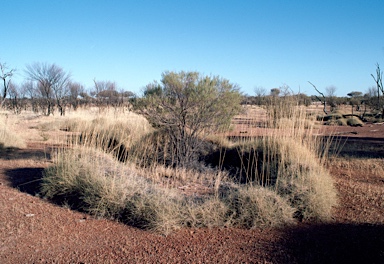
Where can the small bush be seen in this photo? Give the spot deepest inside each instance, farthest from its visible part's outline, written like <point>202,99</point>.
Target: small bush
<point>336,122</point>
<point>354,121</point>
<point>188,105</point>
<point>333,116</point>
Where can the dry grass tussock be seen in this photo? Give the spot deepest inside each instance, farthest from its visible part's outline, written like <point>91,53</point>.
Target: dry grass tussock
<point>9,138</point>
<point>116,167</point>
<point>290,160</point>
<point>94,181</point>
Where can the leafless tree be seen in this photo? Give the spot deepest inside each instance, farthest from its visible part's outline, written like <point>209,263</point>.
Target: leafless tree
<point>29,88</point>
<point>15,97</point>
<point>75,90</point>
<point>6,75</point>
<point>52,84</point>
<point>323,100</point>
<point>331,96</point>
<point>379,85</point>
<point>331,90</point>
<point>260,93</point>
<point>285,90</point>
<point>102,89</point>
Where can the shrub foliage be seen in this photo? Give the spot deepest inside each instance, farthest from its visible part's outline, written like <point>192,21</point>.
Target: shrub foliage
<point>188,105</point>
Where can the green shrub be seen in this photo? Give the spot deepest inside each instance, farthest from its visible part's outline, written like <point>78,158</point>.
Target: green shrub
<point>188,105</point>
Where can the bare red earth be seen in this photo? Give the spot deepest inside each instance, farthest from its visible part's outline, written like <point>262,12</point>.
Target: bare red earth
<point>33,230</point>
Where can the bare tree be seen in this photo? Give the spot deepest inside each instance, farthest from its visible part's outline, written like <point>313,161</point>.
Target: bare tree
<point>285,90</point>
<point>260,93</point>
<point>102,90</point>
<point>6,75</point>
<point>52,84</point>
<point>75,90</point>
<point>15,97</point>
<point>331,96</point>
<point>331,90</point>
<point>323,101</point>
<point>379,84</point>
<point>29,88</point>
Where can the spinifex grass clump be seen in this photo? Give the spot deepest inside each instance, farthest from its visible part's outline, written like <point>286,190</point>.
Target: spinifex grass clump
<point>111,132</point>
<point>8,137</point>
<point>94,182</point>
<point>289,160</point>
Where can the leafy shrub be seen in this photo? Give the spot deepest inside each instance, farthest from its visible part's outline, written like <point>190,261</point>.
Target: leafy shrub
<point>187,105</point>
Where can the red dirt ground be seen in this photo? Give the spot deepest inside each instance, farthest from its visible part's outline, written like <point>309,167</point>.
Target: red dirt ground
<point>33,230</point>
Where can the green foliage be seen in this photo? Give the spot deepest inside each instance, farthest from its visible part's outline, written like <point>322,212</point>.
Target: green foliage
<point>188,106</point>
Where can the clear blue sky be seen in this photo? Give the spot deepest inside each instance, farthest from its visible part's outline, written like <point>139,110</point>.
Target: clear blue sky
<point>251,43</point>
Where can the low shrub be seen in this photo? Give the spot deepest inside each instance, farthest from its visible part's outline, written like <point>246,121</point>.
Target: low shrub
<point>354,121</point>
<point>333,116</point>
<point>336,122</point>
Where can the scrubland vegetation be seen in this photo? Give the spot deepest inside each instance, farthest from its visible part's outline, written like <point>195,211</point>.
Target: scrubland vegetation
<point>116,165</point>
<point>165,160</point>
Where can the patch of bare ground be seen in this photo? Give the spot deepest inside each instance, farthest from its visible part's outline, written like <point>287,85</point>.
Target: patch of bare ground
<point>33,230</point>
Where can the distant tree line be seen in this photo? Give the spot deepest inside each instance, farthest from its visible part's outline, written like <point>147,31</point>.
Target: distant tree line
<point>372,99</point>
<point>48,88</point>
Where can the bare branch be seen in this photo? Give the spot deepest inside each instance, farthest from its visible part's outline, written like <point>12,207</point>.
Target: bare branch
<point>324,101</point>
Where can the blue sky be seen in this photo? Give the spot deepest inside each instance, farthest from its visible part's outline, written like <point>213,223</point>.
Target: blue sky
<point>251,43</point>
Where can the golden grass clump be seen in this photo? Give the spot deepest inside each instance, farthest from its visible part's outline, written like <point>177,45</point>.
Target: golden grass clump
<point>9,138</point>
<point>290,159</point>
<point>354,121</point>
<point>93,181</point>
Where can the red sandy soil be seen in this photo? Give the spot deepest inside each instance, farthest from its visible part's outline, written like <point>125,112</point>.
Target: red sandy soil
<point>33,230</point>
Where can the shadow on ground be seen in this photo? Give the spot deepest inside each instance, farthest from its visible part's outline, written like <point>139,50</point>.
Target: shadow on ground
<point>336,243</point>
<point>358,147</point>
<point>26,179</point>
<point>15,154</point>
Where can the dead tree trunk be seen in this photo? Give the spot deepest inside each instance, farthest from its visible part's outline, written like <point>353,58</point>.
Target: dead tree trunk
<point>324,101</point>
